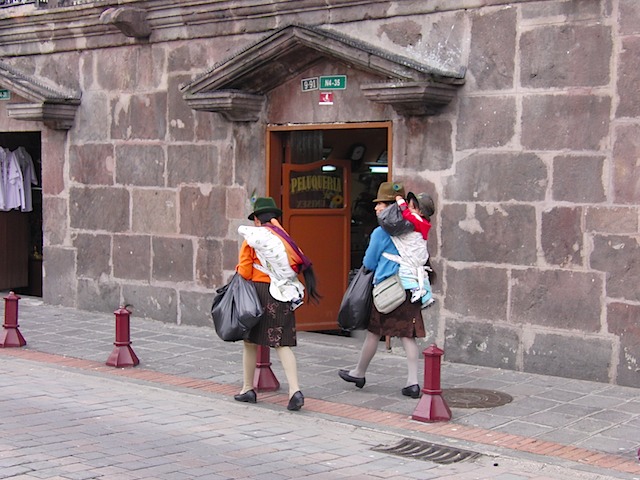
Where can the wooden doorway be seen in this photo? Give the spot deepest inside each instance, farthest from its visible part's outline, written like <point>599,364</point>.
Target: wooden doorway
<point>325,178</point>
<point>315,213</point>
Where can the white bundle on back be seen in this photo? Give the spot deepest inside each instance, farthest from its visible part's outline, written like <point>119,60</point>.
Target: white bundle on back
<point>273,256</point>
<point>412,259</point>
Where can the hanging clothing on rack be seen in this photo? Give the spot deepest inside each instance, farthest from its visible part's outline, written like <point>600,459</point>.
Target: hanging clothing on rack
<point>17,174</point>
<point>29,177</point>
<point>11,181</point>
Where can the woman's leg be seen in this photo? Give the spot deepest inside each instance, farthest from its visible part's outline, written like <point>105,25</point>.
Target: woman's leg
<point>411,350</point>
<point>288,360</point>
<point>249,357</point>
<point>369,349</point>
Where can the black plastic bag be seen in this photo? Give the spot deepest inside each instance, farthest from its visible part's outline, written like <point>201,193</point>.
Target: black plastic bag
<point>236,309</point>
<point>392,221</point>
<point>355,308</point>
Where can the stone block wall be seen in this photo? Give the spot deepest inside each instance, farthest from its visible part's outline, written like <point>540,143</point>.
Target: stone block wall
<point>533,167</point>
<point>152,191</point>
<point>538,192</point>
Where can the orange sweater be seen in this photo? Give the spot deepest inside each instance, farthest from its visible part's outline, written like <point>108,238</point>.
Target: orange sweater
<point>246,259</point>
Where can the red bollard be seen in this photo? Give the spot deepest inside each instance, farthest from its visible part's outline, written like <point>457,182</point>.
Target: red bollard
<point>432,407</point>
<point>11,336</point>
<point>264,380</point>
<point>122,355</point>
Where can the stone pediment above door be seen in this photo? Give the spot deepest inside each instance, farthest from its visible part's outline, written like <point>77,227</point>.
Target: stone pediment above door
<point>53,105</point>
<point>237,87</point>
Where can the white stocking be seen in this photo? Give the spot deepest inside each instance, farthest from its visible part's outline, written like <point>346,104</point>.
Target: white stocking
<point>369,349</point>
<point>288,360</point>
<point>411,350</point>
<point>249,357</point>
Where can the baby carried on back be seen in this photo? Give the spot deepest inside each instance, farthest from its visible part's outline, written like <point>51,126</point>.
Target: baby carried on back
<point>280,259</point>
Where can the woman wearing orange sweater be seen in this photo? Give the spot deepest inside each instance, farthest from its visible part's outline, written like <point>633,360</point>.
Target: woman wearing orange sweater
<point>277,326</point>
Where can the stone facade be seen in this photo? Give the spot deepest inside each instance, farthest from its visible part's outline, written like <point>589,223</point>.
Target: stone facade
<point>534,165</point>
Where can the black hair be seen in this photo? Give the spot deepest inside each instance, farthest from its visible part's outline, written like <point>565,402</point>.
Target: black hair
<point>266,217</point>
<point>311,284</point>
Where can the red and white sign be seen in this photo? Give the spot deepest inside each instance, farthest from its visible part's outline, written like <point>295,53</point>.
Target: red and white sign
<point>326,98</point>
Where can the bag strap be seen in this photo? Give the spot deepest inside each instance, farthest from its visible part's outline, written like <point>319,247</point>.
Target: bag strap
<point>419,271</point>
<point>304,261</point>
<point>395,258</point>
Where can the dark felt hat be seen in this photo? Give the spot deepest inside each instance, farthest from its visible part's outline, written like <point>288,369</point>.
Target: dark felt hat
<point>264,205</point>
<point>424,202</point>
<point>387,192</point>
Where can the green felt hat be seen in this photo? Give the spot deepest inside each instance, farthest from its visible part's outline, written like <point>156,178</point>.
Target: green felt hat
<point>264,205</point>
<point>387,192</point>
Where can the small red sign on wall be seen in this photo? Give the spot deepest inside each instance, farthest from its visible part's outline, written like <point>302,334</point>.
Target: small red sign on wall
<point>326,98</point>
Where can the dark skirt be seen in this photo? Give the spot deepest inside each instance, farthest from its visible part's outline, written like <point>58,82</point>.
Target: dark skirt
<point>404,321</point>
<point>277,326</point>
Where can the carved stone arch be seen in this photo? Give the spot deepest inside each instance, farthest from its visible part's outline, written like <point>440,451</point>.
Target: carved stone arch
<point>237,87</point>
<point>53,105</point>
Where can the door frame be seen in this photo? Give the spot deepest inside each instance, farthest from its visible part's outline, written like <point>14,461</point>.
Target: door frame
<point>276,156</point>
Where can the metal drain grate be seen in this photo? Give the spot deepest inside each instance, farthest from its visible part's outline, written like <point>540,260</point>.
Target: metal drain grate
<point>420,450</point>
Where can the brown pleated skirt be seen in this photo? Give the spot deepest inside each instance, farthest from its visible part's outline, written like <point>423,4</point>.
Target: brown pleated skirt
<point>277,326</point>
<point>404,321</point>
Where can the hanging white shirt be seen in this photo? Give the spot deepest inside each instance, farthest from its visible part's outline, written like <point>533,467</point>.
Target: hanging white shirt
<point>25,162</point>
<point>13,185</point>
<point>14,188</point>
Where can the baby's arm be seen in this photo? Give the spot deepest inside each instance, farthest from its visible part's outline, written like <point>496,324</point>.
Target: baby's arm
<point>409,213</point>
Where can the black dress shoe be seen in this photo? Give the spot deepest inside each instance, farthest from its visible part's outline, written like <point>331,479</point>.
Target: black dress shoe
<point>296,401</point>
<point>248,396</point>
<point>412,391</point>
<point>359,381</point>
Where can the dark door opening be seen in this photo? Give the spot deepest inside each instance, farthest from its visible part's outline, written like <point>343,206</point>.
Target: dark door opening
<point>21,227</point>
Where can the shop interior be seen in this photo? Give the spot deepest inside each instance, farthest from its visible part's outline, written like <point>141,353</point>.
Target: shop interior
<point>21,213</point>
<point>366,148</point>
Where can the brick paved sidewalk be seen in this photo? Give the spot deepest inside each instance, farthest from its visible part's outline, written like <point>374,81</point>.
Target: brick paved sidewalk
<point>73,419</point>
<point>591,424</point>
